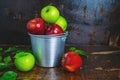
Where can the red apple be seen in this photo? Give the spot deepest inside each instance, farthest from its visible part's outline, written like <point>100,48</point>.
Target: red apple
<point>71,61</point>
<point>54,29</point>
<point>36,26</point>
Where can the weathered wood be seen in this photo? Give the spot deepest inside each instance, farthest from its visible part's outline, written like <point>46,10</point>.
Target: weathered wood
<point>88,20</point>
<point>95,67</point>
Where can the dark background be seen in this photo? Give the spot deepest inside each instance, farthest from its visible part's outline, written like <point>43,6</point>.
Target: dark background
<point>89,21</point>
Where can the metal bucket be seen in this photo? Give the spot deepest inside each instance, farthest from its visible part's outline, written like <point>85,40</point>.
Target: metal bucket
<point>48,49</point>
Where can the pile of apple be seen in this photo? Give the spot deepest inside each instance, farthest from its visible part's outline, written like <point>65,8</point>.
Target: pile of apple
<point>50,22</point>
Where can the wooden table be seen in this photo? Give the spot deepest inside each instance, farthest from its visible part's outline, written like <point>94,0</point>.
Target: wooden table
<point>103,63</point>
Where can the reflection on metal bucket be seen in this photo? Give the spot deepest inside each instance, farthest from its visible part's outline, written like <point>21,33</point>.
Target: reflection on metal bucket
<point>48,49</point>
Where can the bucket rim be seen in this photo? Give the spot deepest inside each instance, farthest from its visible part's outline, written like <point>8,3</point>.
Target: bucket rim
<point>47,36</point>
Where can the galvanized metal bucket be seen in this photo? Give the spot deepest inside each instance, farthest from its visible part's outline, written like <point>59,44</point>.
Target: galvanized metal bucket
<point>48,49</point>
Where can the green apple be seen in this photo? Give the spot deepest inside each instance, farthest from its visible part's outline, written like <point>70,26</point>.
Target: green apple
<point>62,22</point>
<point>24,61</point>
<point>50,14</point>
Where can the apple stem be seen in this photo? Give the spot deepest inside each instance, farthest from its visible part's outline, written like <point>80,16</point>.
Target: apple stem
<point>47,10</point>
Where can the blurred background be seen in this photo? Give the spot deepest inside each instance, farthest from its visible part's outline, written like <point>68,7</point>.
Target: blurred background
<point>90,22</point>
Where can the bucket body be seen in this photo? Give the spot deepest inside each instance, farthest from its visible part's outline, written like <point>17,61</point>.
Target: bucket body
<point>48,49</point>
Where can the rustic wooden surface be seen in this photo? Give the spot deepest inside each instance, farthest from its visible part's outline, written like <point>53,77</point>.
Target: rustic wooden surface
<point>102,64</point>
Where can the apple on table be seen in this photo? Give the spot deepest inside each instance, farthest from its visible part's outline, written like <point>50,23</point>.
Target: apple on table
<point>71,61</point>
<point>24,61</point>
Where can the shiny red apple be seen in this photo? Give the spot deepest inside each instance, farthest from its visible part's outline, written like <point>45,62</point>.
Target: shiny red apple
<point>36,26</point>
<point>71,61</point>
<point>54,29</point>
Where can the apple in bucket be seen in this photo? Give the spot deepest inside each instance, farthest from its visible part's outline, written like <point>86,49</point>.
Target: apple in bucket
<point>50,13</point>
<point>62,22</point>
<point>42,26</point>
<point>54,29</point>
<point>36,26</point>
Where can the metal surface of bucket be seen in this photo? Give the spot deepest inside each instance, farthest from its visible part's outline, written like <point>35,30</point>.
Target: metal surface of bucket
<point>48,49</point>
